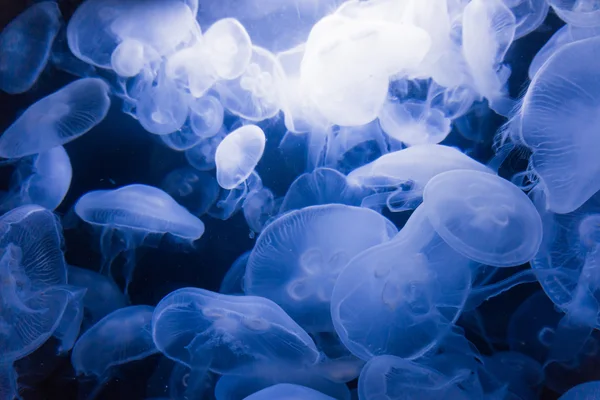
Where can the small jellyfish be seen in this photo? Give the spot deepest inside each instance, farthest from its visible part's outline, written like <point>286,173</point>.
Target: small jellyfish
<point>581,13</point>
<point>190,69</point>
<point>588,390</point>
<point>228,334</point>
<point>522,374</point>
<point>229,48</point>
<point>254,95</point>
<point>127,59</point>
<point>287,391</point>
<point>195,190</point>
<point>70,324</point>
<point>556,127</point>
<point>41,179</point>
<point>162,109</point>
<point>123,336</point>
<point>298,257</point>
<point>202,155</point>
<point>259,207</point>
<point>25,45</point>
<point>238,154</point>
<point>57,119</point>
<point>206,116</point>
<point>182,139</point>
<point>133,216</point>
<point>233,281</point>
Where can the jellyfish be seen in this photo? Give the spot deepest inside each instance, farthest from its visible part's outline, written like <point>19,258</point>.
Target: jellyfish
<point>127,59</point>
<point>102,295</point>
<point>32,272</point>
<point>588,390</point>
<point>238,154</point>
<point>406,172</point>
<point>390,377</point>
<point>133,216</point>
<point>488,30</point>
<point>321,186</point>
<point>57,119</point>
<point>555,126</point>
<point>185,383</point>
<point>529,15</point>
<point>353,95</point>
<point>202,155</point>
<point>229,48</point>
<point>522,374</point>
<point>254,95</point>
<point>70,325</point>
<point>25,45</point>
<point>189,69</point>
<point>287,391</point>
<point>583,13</point>
<point>259,207</point>
<point>197,191</point>
<point>298,257</point>
<point>182,139</point>
<point>99,28</point>
<point>42,179</point>
<point>228,334</point>
<point>233,281</point>
<point>120,337</point>
<point>206,116</point>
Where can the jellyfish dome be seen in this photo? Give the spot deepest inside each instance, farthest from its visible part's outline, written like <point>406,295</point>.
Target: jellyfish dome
<point>287,391</point>
<point>238,154</point>
<point>227,333</point>
<point>298,257</point>
<point>588,390</point>
<point>584,13</point>
<point>57,119</point>
<point>556,126</point>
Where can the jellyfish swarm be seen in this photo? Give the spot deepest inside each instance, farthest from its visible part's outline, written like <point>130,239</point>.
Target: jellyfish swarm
<point>557,127</point>
<point>25,45</point>
<point>415,286</point>
<point>238,154</point>
<point>228,334</point>
<point>134,216</point>
<point>57,119</point>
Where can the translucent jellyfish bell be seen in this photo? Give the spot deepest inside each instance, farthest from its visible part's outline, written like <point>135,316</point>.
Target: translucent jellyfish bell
<point>127,59</point>
<point>121,337</point>
<point>233,281</point>
<point>287,391</point>
<point>238,154</point>
<point>484,217</point>
<point>202,155</point>
<point>588,390</point>
<point>228,334</point>
<point>584,13</point>
<point>162,109</point>
<point>137,214</point>
<point>25,45</point>
<point>298,257</point>
<point>529,15</point>
<point>195,190</point>
<point>42,179</point>
<point>555,125</point>
<point>206,116</point>
<point>228,47</point>
<point>57,119</point>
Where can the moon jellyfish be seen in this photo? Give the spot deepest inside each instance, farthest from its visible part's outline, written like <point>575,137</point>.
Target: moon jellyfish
<point>189,69</point>
<point>42,179</point>
<point>228,334</point>
<point>102,295</point>
<point>197,191</point>
<point>25,45</point>
<point>69,327</point>
<point>393,378</point>
<point>133,216</point>
<point>206,116</point>
<point>504,228</point>
<point>522,374</point>
<point>321,186</point>
<point>259,207</point>
<point>121,337</point>
<point>32,269</point>
<point>345,89</point>
<point>233,281</point>
<point>298,257</point>
<point>556,127</point>
<point>127,59</point>
<point>202,155</point>
<point>488,31</point>
<point>529,15</point>
<point>254,95</point>
<point>584,13</point>
<point>238,154</point>
<point>228,47</point>
<point>400,177</point>
<point>57,119</point>
<point>287,391</point>
<point>162,109</point>
<point>182,139</point>
<point>588,390</point>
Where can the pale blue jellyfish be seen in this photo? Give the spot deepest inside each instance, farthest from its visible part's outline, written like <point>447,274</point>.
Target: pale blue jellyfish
<point>196,190</point>
<point>522,374</point>
<point>287,391</point>
<point>202,155</point>
<point>71,323</point>
<point>182,139</point>
<point>186,383</point>
<point>41,179</point>
<point>584,13</point>
<point>228,47</point>
<point>400,177</point>
<point>57,119</point>
<point>121,337</point>
<point>259,207</point>
<point>162,108</point>
<point>25,45</point>
<point>102,295</point>
<point>555,125</point>
<point>228,334</point>
<point>298,257</point>
<point>133,216</point>
<point>206,116</point>
<point>238,154</point>
<point>233,281</point>
<point>529,15</point>
<point>588,390</point>
<point>322,186</point>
